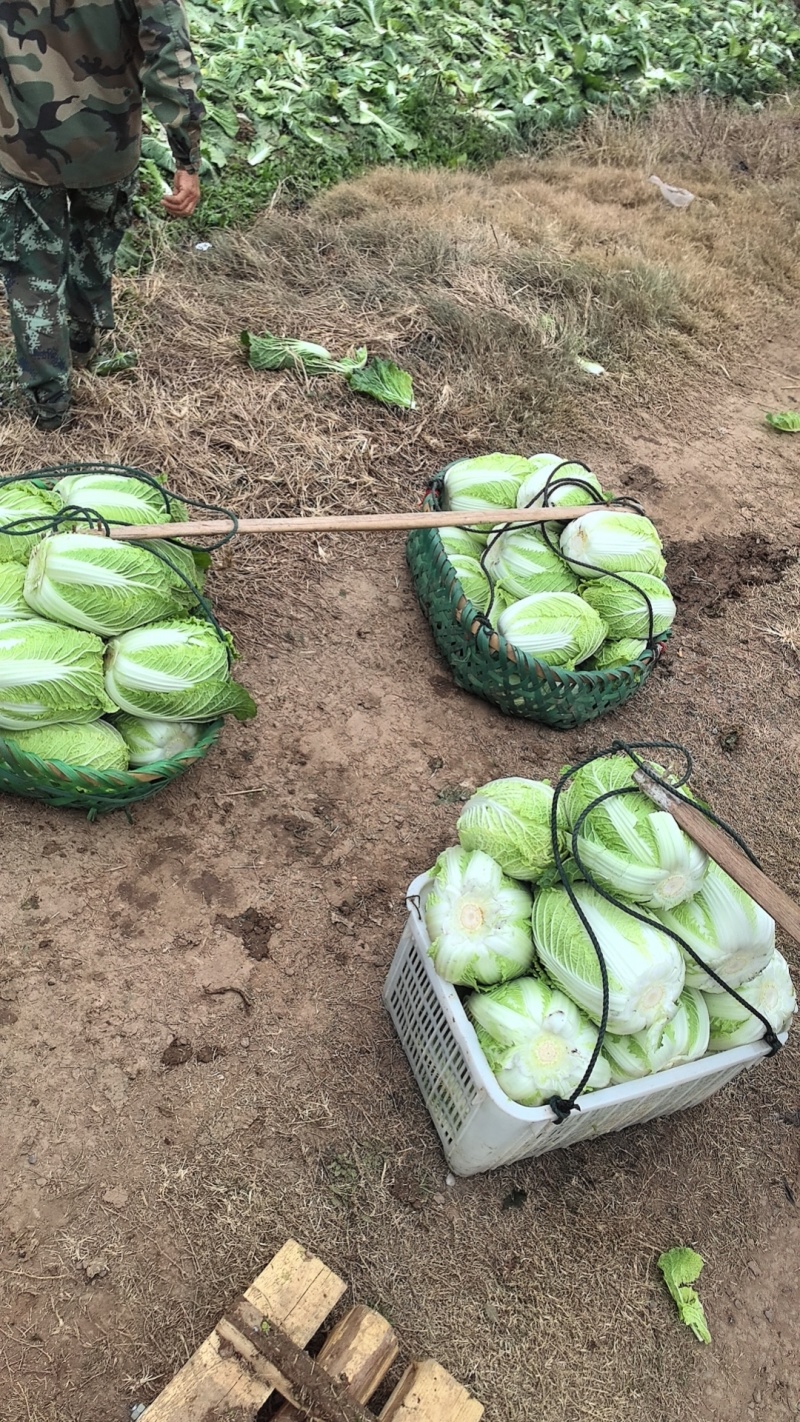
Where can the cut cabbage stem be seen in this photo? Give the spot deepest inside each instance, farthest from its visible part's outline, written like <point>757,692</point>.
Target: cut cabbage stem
<point>355,523</point>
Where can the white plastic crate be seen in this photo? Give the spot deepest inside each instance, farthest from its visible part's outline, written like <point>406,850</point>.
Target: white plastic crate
<point>478,1125</point>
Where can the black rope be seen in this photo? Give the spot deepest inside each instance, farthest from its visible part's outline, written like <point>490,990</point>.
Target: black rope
<point>562,1107</point>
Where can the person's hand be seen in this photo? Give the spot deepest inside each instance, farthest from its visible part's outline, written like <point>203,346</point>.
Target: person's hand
<point>185,195</point>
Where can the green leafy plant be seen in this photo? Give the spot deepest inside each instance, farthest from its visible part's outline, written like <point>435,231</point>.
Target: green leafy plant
<point>788,421</point>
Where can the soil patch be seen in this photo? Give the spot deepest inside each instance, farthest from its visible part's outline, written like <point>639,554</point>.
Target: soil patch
<point>254,928</point>
<point>709,572</point>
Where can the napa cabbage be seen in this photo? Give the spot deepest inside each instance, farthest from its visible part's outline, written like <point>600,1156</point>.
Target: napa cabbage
<point>510,821</point>
<point>612,541</point>
<point>558,628</point>
<point>726,928</point>
<point>478,920</point>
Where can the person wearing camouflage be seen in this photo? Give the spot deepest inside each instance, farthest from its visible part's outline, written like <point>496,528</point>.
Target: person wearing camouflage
<point>73,74</point>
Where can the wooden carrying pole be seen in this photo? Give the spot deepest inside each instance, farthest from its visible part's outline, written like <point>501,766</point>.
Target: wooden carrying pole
<point>352,523</point>
<point>727,854</point>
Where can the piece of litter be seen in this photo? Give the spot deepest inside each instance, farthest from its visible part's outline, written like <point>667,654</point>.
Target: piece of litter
<point>450,1181</point>
<point>677,197</point>
<point>682,1267</point>
<point>138,1410</point>
<point>202,246</point>
<point>590,367</point>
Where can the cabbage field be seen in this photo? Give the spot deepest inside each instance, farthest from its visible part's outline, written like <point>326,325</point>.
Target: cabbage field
<point>316,88</point>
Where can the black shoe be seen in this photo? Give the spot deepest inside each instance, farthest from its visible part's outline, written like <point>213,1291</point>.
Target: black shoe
<point>83,351</point>
<point>45,419</point>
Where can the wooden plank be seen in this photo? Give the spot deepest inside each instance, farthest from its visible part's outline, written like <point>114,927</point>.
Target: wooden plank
<point>727,854</point>
<point>358,1353</point>
<point>296,1376</point>
<point>427,1393</point>
<point>353,523</point>
<point>296,1292</point>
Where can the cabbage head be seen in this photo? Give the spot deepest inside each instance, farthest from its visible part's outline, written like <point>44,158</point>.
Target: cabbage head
<point>617,654</point>
<point>645,967</point>
<point>175,671</point>
<point>96,746</point>
<point>13,606</point>
<point>537,1043</point>
<point>628,845</point>
<point>149,741</point>
<point>770,991</point>
<point>667,1044</point>
<point>18,502</point>
<point>461,540</point>
<point>473,580</point>
<point>510,820</point>
<point>558,628</point>
<point>624,609</point>
<point>102,585</point>
<point>611,541</point>
<point>521,562</point>
<point>726,928</point>
<point>49,674</point>
<point>118,498</point>
<point>561,494</point>
<point>478,920</point>
<point>490,481</point>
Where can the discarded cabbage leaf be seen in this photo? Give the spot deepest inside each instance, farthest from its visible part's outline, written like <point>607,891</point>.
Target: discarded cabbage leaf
<point>118,498</point>
<point>384,381</point>
<point>510,821</point>
<point>478,920</point>
<point>680,1268</point>
<point>97,746</point>
<point>788,421</point>
<point>175,671</point>
<point>645,967</point>
<point>558,628</point>
<point>13,606</point>
<point>150,741</point>
<point>16,502</point>
<point>537,1043</point>
<point>102,585</point>
<point>49,674</point>
<point>270,352</point>
<point>666,1044</point>
<point>116,363</point>
<point>770,991</point>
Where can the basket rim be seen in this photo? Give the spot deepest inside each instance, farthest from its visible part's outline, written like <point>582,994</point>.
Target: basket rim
<point>575,679</point>
<point>87,779</point>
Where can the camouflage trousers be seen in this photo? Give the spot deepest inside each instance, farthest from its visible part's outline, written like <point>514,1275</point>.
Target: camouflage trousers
<point>57,251</point>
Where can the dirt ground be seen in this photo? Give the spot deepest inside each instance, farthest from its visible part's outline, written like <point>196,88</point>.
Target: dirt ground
<point>195,1061</point>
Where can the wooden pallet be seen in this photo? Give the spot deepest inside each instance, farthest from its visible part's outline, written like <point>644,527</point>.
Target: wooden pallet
<point>257,1349</point>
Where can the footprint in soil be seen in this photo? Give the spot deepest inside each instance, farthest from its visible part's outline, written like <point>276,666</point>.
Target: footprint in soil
<point>253,927</point>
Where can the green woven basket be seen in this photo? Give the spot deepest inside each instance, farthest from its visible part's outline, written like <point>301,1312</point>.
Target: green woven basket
<point>95,791</point>
<point>485,663</point>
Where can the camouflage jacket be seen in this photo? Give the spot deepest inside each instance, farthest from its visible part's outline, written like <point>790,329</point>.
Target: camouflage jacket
<point>72,78</point>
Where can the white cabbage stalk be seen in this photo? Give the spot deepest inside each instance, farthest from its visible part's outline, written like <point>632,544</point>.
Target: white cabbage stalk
<point>624,609</point>
<point>645,967</point>
<point>618,654</point>
<point>521,562</point>
<point>726,928</point>
<point>150,741</point>
<point>49,674</point>
<point>18,501</point>
<point>473,580</point>
<point>558,628</point>
<point>13,607</point>
<point>463,541</point>
<point>771,992</point>
<point>667,1044</point>
<point>97,746</point>
<point>175,671</point>
<point>510,821</point>
<point>537,1043</point>
<point>490,481</point>
<point>628,845</point>
<point>614,542</point>
<point>560,495</point>
<point>118,498</point>
<point>478,920</point>
<point>103,585</point>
